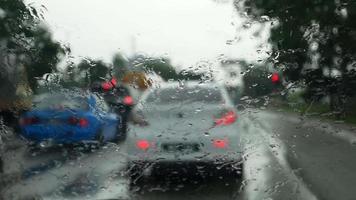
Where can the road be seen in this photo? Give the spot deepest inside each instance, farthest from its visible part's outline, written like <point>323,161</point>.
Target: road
<point>286,157</point>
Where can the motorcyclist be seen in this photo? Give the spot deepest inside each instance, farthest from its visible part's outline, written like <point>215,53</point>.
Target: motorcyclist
<point>118,97</point>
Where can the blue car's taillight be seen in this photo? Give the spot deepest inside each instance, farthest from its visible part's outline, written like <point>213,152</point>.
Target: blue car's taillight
<point>82,122</point>
<point>28,121</point>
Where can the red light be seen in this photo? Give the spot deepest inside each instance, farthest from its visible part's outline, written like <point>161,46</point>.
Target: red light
<point>128,100</point>
<point>220,144</point>
<point>73,120</point>
<point>143,144</point>
<point>83,122</point>
<point>275,78</point>
<point>28,121</point>
<point>113,81</point>
<point>106,86</point>
<point>227,119</point>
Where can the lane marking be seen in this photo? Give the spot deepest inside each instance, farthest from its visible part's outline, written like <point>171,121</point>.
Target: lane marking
<point>280,155</point>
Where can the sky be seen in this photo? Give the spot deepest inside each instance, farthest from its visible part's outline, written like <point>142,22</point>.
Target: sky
<point>186,31</point>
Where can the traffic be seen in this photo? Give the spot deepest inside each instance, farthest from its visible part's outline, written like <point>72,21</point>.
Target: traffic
<point>208,134</point>
<point>190,124</point>
<point>157,99</point>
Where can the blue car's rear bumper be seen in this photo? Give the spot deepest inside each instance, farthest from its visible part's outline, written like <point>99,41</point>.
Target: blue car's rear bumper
<point>58,134</point>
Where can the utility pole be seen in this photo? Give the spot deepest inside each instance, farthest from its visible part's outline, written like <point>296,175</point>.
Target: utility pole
<point>133,45</point>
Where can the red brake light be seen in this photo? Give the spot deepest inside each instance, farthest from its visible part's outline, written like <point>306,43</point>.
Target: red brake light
<point>128,100</point>
<point>275,78</point>
<point>73,121</point>
<point>82,122</point>
<point>106,86</point>
<point>226,119</point>
<point>220,144</point>
<point>113,81</point>
<point>143,144</point>
<point>28,121</point>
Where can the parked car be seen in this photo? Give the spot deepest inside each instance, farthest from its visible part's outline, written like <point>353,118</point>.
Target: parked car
<point>69,117</point>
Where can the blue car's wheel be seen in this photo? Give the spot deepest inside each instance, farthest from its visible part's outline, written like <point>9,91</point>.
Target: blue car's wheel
<point>99,137</point>
<point>120,134</point>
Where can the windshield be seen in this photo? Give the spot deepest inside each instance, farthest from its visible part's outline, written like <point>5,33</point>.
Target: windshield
<point>60,101</point>
<point>178,99</point>
<point>185,95</point>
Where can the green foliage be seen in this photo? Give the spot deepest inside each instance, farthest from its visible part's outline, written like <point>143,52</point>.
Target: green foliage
<point>45,56</point>
<point>93,70</point>
<point>163,68</point>
<point>310,28</point>
<point>15,19</point>
<point>120,65</point>
<point>23,39</point>
<point>89,70</point>
<point>257,82</point>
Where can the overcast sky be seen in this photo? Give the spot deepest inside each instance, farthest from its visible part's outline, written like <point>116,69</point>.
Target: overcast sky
<point>187,31</point>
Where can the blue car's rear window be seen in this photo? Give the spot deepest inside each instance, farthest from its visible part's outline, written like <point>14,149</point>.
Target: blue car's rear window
<point>60,101</point>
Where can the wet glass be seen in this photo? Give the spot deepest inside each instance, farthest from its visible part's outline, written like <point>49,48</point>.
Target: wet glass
<point>177,99</point>
<point>48,101</point>
<point>180,95</point>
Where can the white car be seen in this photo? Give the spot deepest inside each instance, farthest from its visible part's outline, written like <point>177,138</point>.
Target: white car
<point>193,126</point>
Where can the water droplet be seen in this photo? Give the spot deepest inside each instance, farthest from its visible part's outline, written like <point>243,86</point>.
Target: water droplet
<point>247,25</point>
<point>265,18</point>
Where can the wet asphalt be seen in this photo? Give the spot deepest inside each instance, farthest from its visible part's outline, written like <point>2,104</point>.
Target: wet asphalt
<point>286,157</point>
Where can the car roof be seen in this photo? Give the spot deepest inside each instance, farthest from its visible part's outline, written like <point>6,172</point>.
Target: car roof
<point>189,84</point>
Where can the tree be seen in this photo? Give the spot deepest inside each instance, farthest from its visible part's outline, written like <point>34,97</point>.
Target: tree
<point>45,55</point>
<point>260,81</point>
<point>314,41</point>
<point>27,52</point>
<point>90,71</point>
<point>160,66</point>
<point>26,42</point>
<point>120,65</point>
<point>164,68</point>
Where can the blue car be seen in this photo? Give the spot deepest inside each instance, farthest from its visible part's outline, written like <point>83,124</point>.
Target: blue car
<point>69,117</point>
